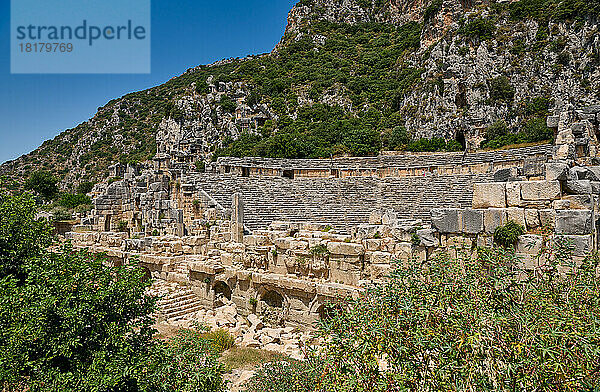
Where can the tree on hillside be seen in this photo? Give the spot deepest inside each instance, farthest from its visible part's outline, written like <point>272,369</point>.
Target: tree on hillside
<point>43,183</point>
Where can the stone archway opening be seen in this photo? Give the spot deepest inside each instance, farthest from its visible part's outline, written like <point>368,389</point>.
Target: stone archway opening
<point>273,299</point>
<point>147,274</point>
<point>222,290</point>
<point>107,223</point>
<point>328,311</point>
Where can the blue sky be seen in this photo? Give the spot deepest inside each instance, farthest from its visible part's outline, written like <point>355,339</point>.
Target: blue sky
<point>185,33</point>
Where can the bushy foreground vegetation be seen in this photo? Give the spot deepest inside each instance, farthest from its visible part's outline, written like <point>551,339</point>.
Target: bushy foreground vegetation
<point>71,322</point>
<point>464,324</point>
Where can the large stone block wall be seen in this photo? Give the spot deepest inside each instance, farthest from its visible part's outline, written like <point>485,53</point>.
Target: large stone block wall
<point>565,205</point>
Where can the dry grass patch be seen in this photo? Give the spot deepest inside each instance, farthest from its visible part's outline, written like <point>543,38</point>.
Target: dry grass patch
<point>246,358</point>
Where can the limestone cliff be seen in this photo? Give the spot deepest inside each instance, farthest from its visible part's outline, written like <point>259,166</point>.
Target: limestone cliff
<point>345,74</point>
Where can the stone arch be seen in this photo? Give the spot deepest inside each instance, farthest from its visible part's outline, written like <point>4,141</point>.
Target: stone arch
<point>273,299</point>
<point>460,138</point>
<point>328,311</point>
<point>147,273</point>
<point>221,288</point>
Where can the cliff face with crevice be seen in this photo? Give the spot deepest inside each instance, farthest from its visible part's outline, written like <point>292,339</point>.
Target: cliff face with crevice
<point>445,69</point>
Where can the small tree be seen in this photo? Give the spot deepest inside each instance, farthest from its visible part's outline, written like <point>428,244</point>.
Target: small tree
<point>21,236</point>
<point>43,183</point>
<point>85,187</point>
<point>501,89</point>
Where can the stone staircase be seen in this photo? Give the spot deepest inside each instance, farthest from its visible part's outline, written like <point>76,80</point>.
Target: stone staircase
<point>175,301</point>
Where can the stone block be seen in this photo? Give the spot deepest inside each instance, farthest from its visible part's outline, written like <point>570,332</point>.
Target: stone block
<point>579,202</point>
<point>595,187</point>
<point>375,218</point>
<point>540,190</point>
<point>561,204</point>
<point>255,240</point>
<point>446,220</point>
<point>345,248</point>
<point>428,238</point>
<point>573,222</point>
<point>547,218</point>
<point>389,218</point>
<point>532,219</point>
<point>472,221</point>
<point>380,258</point>
<point>372,244</point>
<point>556,171</point>
<point>492,218</point>
<point>578,187</point>
<point>582,244</point>
<point>504,175</point>
<point>530,244</point>
<point>552,121</point>
<point>582,173</point>
<point>513,194</point>
<point>283,243</point>
<point>489,195</point>
<point>516,215</point>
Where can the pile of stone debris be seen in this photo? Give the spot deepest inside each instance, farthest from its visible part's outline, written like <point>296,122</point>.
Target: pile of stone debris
<point>250,331</point>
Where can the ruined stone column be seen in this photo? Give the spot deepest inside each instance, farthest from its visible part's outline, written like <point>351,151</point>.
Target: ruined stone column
<point>237,218</point>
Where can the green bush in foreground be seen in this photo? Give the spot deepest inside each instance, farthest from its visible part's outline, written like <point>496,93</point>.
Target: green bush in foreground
<point>71,322</point>
<point>466,324</point>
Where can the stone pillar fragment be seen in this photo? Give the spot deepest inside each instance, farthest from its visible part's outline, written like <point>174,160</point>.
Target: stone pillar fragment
<point>237,218</point>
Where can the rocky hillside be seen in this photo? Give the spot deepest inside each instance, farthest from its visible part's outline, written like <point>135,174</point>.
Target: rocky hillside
<point>354,77</point>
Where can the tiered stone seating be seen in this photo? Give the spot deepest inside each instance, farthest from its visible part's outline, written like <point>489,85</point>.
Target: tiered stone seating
<point>341,203</point>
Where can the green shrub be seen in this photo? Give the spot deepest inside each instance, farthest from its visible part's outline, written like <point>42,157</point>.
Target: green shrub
<point>219,339</point>
<point>479,28</point>
<point>21,236</point>
<point>537,106</point>
<point>84,208</point>
<point>319,250</point>
<point>69,200</point>
<point>496,130</point>
<point>227,104</point>
<point>508,234</point>
<point>501,89</point>
<point>432,9</point>
<point>122,226</point>
<point>287,376</point>
<point>466,324</point>
<point>536,130</point>
<point>187,362</point>
<point>395,139</point>
<point>42,183</point>
<point>60,214</point>
<point>85,187</point>
<point>200,166</point>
